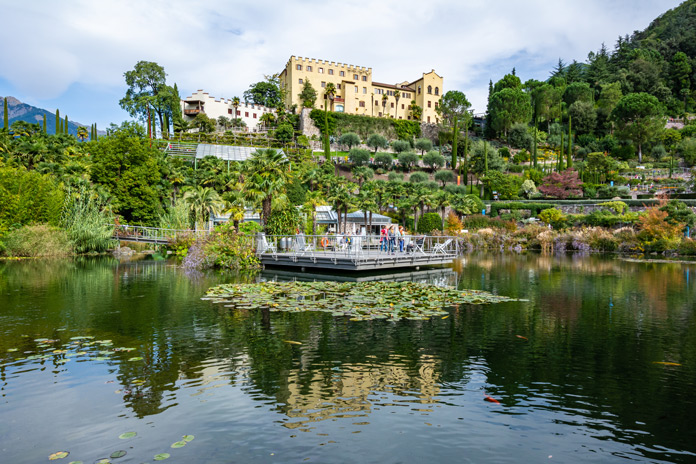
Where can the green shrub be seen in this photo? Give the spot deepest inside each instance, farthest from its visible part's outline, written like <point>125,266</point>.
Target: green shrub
<point>429,222</point>
<point>433,159</point>
<point>555,217</point>
<point>408,159</point>
<point>533,208</point>
<point>418,177</point>
<point>687,247</point>
<point>359,156</point>
<point>27,197</point>
<point>477,221</point>
<point>40,240</point>
<point>384,160</point>
<point>401,146</point>
<point>283,221</point>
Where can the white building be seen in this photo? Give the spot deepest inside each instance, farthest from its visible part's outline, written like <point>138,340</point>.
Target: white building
<point>202,102</point>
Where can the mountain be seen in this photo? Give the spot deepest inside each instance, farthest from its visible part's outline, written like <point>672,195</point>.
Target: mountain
<point>673,30</point>
<point>18,111</point>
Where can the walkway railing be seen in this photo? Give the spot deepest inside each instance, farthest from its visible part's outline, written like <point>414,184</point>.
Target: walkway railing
<point>153,234</point>
<point>357,248</point>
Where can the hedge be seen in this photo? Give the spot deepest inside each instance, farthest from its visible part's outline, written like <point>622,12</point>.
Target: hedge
<point>534,208</point>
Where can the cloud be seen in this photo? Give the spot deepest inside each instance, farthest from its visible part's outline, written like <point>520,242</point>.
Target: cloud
<point>224,46</point>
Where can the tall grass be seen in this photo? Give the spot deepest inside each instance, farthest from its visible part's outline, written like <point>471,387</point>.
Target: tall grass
<point>39,240</point>
<point>88,221</point>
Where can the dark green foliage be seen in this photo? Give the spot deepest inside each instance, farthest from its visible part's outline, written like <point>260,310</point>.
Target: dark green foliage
<point>584,117</point>
<point>340,123</point>
<point>130,170</point>
<point>27,197</point>
<point>433,159</point>
<point>377,141</point>
<point>577,92</point>
<point>296,191</point>
<point>58,122</point>
<point>423,145</point>
<point>687,150</point>
<point>308,95</point>
<point>429,222</point>
<point>401,146</point>
<point>284,133</point>
<point>350,139</point>
<point>533,208</point>
<point>359,156</point>
<point>444,176</point>
<point>283,221</point>
<point>266,93</point>
<point>87,221</point>
<point>418,177</point>
<point>507,186</point>
<point>519,137</point>
<point>679,213</point>
<point>408,159</point>
<point>384,160</point>
<point>37,240</point>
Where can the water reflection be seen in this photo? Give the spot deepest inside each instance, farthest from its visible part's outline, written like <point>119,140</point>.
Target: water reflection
<point>579,358</point>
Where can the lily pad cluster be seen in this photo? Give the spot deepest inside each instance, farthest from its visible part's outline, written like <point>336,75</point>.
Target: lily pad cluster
<point>358,300</point>
<point>186,439</point>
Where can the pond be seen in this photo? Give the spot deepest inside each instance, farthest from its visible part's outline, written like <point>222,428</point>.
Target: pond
<point>99,358</point>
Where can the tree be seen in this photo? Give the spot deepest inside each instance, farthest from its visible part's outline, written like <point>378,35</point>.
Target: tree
<point>507,107</point>
<point>58,121</point>
<point>284,133</point>
<point>362,174</point>
<point>578,91</point>
<point>433,159</point>
<point>584,116</point>
<point>308,95</point>
<point>224,122</point>
<point>147,87</point>
<point>82,133</point>
<point>423,145</point>
<point>419,177</point>
<point>416,111</point>
<point>129,168</point>
<point>377,141</point>
<point>384,160</point>
<point>444,176</point>
<point>561,184</point>
<point>202,202</point>
<point>359,156</point>
<point>400,146</point>
<point>266,92</point>
<point>397,96</point>
<point>408,159</point>
<point>506,185</point>
<point>519,137</point>
<point>203,123</point>
<point>266,174</point>
<point>235,103</point>
<point>639,118</point>
<point>350,139</point>
<point>5,118</point>
<point>454,107</point>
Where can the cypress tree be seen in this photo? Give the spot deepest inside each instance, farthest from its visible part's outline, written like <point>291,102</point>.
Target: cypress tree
<point>66,127</point>
<point>560,157</point>
<point>569,159</point>
<point>5,116</point>
<point>96,136</point>
<point>58,123</point>
<point>535,143</point>
<point>44,123</point>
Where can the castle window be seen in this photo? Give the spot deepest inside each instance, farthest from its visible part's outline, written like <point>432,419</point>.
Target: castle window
<point>239,113</point>
<point>246,114</point>
<point>321,70</point>
<point>323,84</point>
<point>229,110</point>
<point>364,89</point>
<point>428,118</point>
<point>299,67</point>
<point>342,73</point>
<point>254,115</point>
<point>402,106</point>
<point>309,68</point>
<point>362,104</point>
<point>419,90</point>
<point>364,78</point>
<point>338,86</point>
<point>435,104</point>
<point>376,104</point>
<point>392,105</point>
<point>355,77</point>
<point>430,89</point>
<point>429,104</point>
<point>356,89</point>
<point>300,81</point>
<point>331,72</point>
<point>437,91</point>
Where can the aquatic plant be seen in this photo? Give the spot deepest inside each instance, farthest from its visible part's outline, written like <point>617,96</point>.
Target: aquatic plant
<point>358,300</point>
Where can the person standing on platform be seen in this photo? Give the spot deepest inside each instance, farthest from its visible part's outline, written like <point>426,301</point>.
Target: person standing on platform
<point>402,234</point>
<point>383,239</point>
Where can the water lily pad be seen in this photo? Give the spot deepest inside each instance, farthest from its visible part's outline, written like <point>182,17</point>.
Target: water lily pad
<point>162,456</point>
<point>75,462</point>
<point>102,461</point>
<point>12,350</point>
<point>127,435</point>
<point>188,438</point>
<point>179,444</point>
<point>136,358</point>
<point>58,455</point>
<point>118,454</point>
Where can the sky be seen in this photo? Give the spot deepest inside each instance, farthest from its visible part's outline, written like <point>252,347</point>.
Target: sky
<point>72,54</point>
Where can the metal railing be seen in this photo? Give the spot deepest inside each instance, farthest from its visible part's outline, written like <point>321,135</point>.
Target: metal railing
<point>153,234</point>
<point>356,247</point>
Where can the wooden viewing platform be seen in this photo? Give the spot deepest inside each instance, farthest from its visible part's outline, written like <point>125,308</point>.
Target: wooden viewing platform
<point>353,253</point>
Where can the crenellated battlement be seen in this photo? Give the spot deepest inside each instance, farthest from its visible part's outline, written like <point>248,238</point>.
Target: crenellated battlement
<point>316,62</point>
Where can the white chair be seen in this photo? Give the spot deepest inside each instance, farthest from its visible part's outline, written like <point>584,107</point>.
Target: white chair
<point>301,247</point>
<point>418,245</point>
<point>442,247</point>
<point>262,245</point>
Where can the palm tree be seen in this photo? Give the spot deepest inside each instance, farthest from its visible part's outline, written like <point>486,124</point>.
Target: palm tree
<point>224,122</point>
<point>235,103</point>
<point>330,93</point>
<point>384,104</point>
<point>235,205</point>
<point>397,95</point>
<point>82,133</point>
<point>365,201</point>
<point>202,202</point>
<point>362,174</point>
<point>265,175</point>
<point>441,200</point>
<point>312,200</point>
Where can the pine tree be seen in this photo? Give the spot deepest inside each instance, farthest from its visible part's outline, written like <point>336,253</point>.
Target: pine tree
<point>5,116</point>
<point>58,123</point>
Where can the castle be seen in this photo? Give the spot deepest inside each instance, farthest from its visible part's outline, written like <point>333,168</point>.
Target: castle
<point>202,102</point>
<point>357,93</point>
